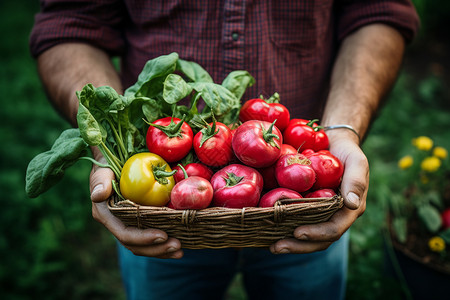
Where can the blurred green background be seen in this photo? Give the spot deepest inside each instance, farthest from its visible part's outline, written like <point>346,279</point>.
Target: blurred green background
<point>51,248</point>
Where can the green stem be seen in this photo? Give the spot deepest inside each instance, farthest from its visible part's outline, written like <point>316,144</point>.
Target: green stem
<point>311,124</point>
<point>275,98</point>
<point>268,135</point>
<point>112,160</point>
<point>232,179</point>
<point>184,171</point>
<point>119,141</point>
<point>208,132</point>
<point>95,162</point>
<point>173,129</point>
<point>160,174</point>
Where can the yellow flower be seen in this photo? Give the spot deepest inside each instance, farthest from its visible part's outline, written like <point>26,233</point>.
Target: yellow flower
<point>405,162</point>
<point>430,164</point>
<point>423,143</point>
<point>436,244</point>
<point>440,152</point>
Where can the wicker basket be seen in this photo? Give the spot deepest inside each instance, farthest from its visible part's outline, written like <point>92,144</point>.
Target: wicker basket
<point>219,227</point>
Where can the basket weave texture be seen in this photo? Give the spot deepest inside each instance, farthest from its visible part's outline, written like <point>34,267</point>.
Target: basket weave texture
<point>219,227</point>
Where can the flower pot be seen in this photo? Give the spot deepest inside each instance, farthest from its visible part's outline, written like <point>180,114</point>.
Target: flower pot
<point>422,276</point>
<point>424,281</point>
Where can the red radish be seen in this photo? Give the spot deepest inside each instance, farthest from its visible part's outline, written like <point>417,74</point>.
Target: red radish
<point>270,198</point>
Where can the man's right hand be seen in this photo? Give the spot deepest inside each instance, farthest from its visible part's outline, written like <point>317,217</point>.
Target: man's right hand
<point>143,242</point>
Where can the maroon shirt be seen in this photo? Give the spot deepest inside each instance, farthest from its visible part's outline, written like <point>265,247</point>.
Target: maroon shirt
<point>288,46</point>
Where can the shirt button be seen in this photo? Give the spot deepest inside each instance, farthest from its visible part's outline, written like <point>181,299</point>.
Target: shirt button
<point>235,36</point>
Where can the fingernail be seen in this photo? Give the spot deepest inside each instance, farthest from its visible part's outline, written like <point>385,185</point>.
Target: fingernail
<point>171,249</point>
<point>283,251</point>
<point>353,198</point>
<point>159,240</point>
<point>97,189</point>
<point>301,236</point>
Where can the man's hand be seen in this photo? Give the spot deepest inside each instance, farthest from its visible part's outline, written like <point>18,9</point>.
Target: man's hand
<point>365,69</point>
<point>64,69</point>
<point>355,183</point>
<point>143,242</point>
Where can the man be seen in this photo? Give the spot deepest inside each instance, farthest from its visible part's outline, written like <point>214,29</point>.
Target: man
<point>332,60</point>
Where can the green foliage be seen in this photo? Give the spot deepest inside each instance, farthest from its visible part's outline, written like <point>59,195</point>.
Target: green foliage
<point>47,168</point>
<point>51,248</point>
<point>416,106</point>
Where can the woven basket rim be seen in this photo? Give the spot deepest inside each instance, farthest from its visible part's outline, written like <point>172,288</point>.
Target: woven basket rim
<point>115,204</point>
<point>221,227</point>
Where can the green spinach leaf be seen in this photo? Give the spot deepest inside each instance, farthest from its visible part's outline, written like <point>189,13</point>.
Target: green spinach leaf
<point>47,168</point>
<point>237,82</point>
<point>150,80</point>
<point>193,71</point>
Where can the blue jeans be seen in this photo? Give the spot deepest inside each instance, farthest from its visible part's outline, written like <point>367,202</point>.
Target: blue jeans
<point>206,274</point>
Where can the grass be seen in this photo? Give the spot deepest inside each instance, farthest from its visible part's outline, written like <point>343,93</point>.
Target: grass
<point>51,247</point>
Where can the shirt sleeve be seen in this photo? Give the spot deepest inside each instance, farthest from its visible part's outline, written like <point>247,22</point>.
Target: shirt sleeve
<point>400,14</point>
<point>97,22</point>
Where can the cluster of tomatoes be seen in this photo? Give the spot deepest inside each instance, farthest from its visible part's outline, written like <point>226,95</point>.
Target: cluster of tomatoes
<point>266,158</point>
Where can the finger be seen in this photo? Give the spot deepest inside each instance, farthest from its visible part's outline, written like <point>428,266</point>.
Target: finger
<point>329,231</point>
<point>127,235</point>
<point>296,246</point>
<point>169,249</point>
<point>100,183</point>
<point>145,242</point>
<point>355,181</point>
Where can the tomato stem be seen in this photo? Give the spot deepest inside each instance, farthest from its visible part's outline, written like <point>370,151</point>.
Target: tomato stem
<point>184,171</point>
<point>160,174</point>
<point>208,132</point>
<point>232,179</point>
<point>275,98</point>
<point>311,124</point>
<point>268,135</point>
<point>173,129</point>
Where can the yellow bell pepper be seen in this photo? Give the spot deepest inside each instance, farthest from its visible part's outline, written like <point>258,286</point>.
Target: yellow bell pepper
<point>147,179</point>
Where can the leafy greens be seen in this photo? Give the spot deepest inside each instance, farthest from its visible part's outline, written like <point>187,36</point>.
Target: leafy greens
<point>115,123</point>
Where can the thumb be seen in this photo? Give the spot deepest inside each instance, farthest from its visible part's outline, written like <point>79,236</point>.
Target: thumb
<point>100,183</point>
<point>355,181</point>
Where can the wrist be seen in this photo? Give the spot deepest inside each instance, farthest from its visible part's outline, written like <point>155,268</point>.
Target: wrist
<point>341,132</point>
<point>343,129</point>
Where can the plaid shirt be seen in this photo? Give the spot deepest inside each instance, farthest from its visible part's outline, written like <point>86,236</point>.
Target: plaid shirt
<point>288,46</point>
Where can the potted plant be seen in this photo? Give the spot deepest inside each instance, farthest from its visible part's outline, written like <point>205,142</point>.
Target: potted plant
<point>419,220</point>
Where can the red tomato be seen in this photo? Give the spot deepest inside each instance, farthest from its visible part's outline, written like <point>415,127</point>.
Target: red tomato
<point>303,134</point>
<point>322,193</point>
<point>236,186</point>
<point>260,109</point>
<point>287,149</point>
<point>193,169</point>
<point>445,216</point>
<point>170,138</point>
<point>257,143</point>
<point>193,192</point>
<point>268,173</point>
<point>294,172</point>
<point>270,198</point>
<point>329,169</point>
<point>212,145</point>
